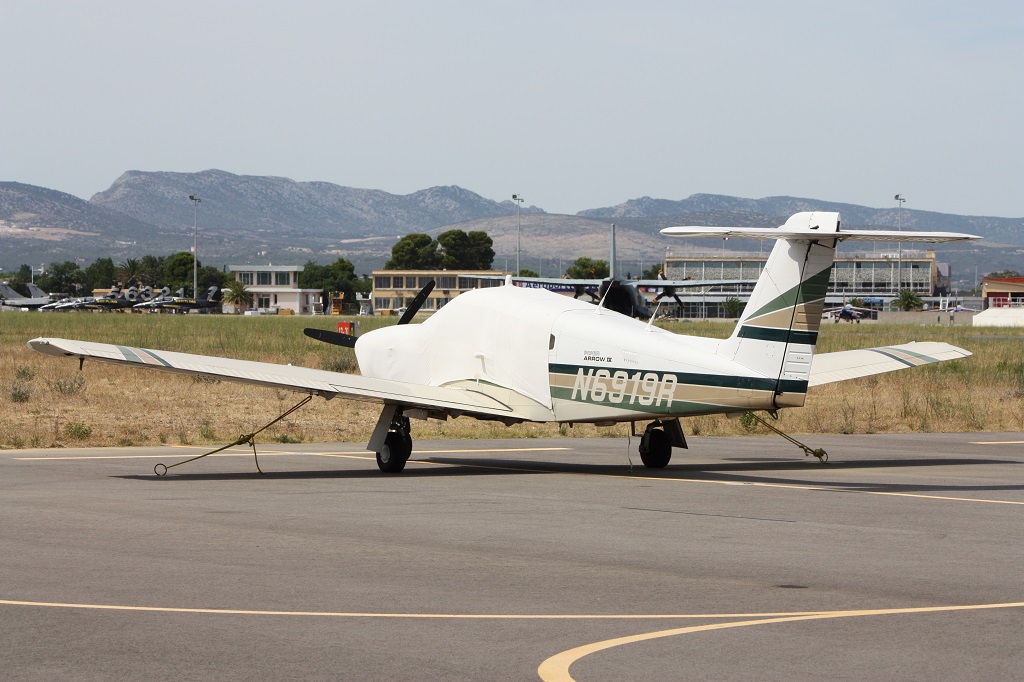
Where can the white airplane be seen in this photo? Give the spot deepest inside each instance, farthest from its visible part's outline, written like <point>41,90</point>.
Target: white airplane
<point>514,354</point>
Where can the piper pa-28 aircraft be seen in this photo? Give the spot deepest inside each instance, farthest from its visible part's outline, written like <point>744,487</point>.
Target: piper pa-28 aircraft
<point>516,355</point>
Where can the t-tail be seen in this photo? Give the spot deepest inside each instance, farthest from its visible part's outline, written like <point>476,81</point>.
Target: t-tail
<point>778,330</point>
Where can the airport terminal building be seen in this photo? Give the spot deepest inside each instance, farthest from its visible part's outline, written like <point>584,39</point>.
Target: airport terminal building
<point>275,289</point>
<point>876,278</point>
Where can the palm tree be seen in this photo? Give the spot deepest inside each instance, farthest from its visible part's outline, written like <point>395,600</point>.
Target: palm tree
<point>908,300</point>
<point>130,271</point>
<point>237,295</point>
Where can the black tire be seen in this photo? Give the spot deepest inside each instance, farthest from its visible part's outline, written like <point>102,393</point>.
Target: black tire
<point>395,452</point>
<point>655,449</point>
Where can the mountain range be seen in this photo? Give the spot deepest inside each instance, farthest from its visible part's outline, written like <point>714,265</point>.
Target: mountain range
<point>259,219</point>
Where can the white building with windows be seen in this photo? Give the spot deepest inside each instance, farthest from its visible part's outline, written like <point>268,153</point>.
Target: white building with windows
<point>393,290</point>
<point>275,288</point>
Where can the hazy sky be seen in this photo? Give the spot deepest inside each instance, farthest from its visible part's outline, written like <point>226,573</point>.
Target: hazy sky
<point>575,104</point>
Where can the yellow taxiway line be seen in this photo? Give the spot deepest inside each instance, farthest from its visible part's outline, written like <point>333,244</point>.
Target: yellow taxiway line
<point>438,616</point>
<point>556,668</point>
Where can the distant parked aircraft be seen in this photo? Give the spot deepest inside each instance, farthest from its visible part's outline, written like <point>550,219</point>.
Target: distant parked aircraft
<point>12,299</point>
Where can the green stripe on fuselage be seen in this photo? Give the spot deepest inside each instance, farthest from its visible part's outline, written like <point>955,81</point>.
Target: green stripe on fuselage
<point>658,391</point>
<point>748,331</point>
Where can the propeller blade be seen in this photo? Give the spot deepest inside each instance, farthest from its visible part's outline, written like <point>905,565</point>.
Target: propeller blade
<point>417,303</point>
<point>336,338</point>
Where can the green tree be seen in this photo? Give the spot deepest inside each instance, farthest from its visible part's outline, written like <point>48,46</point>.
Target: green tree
<point>339,276</point>
<point>20,279</point>
<point>733,307</point>
<point>908,300</point>
<point>178,271</point>
<point>363,285</point>
<point>64,277</point>
<point>652,272</point>
<point>151,270</point>
<point>1004,273</point>
<point>237,295</point>
<point>527,272</point>
<point>100,274</point>
<point>465,251</point>
<point>209,276</point>
<point>414,252</point>
<point>587,268</point>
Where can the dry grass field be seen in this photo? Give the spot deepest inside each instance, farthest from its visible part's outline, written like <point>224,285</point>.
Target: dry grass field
<point>47,402</point>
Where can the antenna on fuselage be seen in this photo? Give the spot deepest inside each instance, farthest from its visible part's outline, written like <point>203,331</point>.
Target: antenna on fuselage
<point>600,304</point>
<point>654,315</point>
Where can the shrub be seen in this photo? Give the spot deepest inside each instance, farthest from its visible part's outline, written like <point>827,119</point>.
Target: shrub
<point>77,430</point>
<point>68,386</point>
<point>285,438</point>
<point>20,392</point>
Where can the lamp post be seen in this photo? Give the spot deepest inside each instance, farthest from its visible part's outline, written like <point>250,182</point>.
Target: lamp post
<point>518,198</point>
<point>195,243</point>
<point>899,249</point>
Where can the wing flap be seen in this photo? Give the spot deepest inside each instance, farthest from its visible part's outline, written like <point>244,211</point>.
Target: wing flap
<point>300,379</point>
<point>827,368</point>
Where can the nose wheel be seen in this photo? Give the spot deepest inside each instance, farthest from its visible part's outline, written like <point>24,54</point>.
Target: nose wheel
<point>397,447</point>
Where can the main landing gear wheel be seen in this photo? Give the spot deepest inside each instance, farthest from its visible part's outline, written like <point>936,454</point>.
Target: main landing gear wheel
<point>395,452</point>
<point>655,449</point>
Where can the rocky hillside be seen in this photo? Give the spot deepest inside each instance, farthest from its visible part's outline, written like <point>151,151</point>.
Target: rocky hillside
<point>259,205</point>
<point>40,225</point>
<point>271,219</point>
<point>1004,230</point>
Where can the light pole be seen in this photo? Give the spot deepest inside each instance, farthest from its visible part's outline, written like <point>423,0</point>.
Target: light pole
<point>195,243</point>
<point>899,249</point>
<point>518,198</point>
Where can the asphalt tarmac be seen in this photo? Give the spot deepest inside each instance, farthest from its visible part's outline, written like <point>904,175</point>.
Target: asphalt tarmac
<point>522,559</point>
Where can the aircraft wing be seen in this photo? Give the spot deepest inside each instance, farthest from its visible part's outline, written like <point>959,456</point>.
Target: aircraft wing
<point>827,368</point>
<point>688,283</point>
<point>646,283</point>
<point>326,384</point>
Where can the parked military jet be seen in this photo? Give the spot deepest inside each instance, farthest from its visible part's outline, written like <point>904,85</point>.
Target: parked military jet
<point>514,355</point>
<point>848,312</point>
<point>210,298</point>
<point>162,297</point>
<point>9,298</point>
<point>118,300</point>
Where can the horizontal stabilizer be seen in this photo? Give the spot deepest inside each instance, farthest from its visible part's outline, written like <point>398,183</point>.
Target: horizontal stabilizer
<point>827,368</point>
<point>811,235</point>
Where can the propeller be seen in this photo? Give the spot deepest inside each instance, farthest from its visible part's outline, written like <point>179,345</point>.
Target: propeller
<point>668,291</point>
<point>416,304</point>
<point>349,341</point>
<point>336,338</point>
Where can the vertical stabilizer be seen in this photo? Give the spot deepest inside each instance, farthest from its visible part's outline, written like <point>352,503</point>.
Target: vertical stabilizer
<point>779,327</point>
